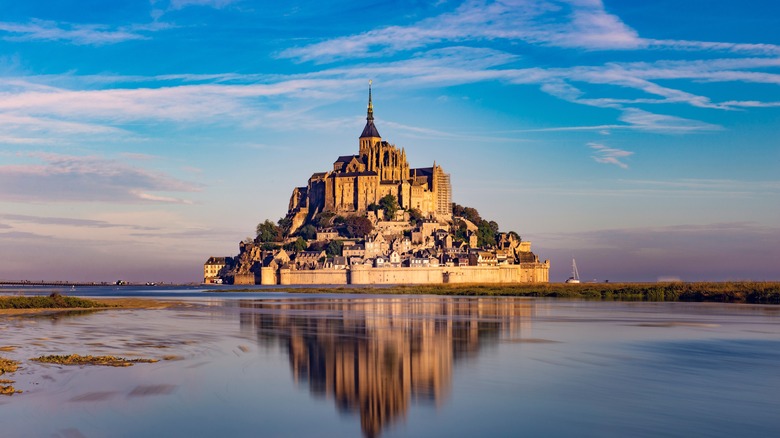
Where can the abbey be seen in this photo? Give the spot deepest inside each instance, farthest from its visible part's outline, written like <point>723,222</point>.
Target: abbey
<point>379,169</point>
<point>373,219</point>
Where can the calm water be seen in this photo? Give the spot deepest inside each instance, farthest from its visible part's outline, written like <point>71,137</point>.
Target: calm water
<point>288,365</point>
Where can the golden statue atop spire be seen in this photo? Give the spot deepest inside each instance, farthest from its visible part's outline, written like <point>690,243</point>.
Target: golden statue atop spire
<point>370,115</point>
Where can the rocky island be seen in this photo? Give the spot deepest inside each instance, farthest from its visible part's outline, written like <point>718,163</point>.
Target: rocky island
<point>373,219</point>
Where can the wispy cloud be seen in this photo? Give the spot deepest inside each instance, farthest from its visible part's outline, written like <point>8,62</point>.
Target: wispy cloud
<point>20,129</point>
<point>608,155</point>
<point>178,103</point>
<point>756,49</point>
<point>648,121</point>
<point>583,24</point>
<point>712,186</point>
<point>636,188</point>
<point>80,34</point>
<point>217,4</point>
<point>578,24</point>
<point>751,104</point>
<point>24,235</point>
<point>257,99</point>
<point>70,222</point>
<point>63,178</point>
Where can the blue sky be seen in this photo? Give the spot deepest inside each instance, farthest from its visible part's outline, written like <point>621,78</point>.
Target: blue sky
<point>137,138</point>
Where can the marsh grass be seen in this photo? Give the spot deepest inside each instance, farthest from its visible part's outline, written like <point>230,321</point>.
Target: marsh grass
<point>75,359</point>
<point>729,292</point>
<point>53,301</point>
<point>8,366</point>
<point>8,390</point>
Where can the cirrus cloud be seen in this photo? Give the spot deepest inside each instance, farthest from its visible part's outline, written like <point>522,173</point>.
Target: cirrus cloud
<point>608,155</point>
<point>64,178</point>
<point>79,34</point>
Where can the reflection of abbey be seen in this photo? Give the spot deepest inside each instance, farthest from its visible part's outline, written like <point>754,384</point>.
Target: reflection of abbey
<point>380,169</point>
<point>377,357</point>
<point>372,219</point>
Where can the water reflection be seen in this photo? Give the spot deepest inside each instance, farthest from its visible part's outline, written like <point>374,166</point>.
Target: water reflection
<point>375,356</point>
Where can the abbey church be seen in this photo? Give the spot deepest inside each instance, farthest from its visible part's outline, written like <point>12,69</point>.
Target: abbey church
<point>373,219</point>
<point>379,169</point>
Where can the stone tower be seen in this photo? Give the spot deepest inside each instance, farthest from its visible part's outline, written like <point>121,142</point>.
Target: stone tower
<point>380,156</point>
<point>355,182</point>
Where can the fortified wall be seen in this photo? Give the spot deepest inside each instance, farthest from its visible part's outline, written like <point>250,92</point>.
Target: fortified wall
<point>366,275</point>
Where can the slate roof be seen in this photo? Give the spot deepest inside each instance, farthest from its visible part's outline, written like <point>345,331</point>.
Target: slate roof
<point>370,130</point>
<point>346,158</point>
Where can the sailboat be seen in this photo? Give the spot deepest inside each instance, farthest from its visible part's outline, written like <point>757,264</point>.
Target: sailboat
<point>575,275</point>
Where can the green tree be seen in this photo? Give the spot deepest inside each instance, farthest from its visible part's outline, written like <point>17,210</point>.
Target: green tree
<point>358,226</point>
<point>324,219</point>
<point>415,216</point>
<point>296,246</point>
<point>390,204</point>
<point>308,232</point>
<point>317,246</point>
<point>459,231</point>
<point>334,248</point>
<point>338,220</point>
<point>471,214</point>
<point>268,232</point>
<point>486,233</point>
<point>285,225</point>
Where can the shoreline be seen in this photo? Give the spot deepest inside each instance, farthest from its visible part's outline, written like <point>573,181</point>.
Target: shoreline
<point>120,303</point>
<point>747,292</point>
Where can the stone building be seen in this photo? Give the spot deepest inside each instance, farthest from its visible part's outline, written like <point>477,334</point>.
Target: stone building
<point>212,268</point>
<point>379,169</point>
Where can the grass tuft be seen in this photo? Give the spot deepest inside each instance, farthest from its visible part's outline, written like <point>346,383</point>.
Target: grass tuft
<point>75,359</point>
<point>8,366</point>
<point>53,301</point>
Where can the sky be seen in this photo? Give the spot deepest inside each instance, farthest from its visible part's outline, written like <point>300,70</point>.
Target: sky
<point>138,138</point>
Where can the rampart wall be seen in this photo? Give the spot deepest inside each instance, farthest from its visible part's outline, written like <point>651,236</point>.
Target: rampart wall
<point>321,276</point>
<point>249,278</point>
<point>358,274</point>
<point>523,273</point>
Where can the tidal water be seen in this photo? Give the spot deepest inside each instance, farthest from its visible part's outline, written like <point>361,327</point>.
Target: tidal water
<point>306,365</point>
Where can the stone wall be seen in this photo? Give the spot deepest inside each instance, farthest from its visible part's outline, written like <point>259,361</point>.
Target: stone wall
<point>366,275</point>
<point>523,273</point>
<point>321,276</point>
<point>249,278</point>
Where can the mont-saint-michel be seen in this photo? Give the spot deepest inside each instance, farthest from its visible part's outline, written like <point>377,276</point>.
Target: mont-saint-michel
<point>374,219</point>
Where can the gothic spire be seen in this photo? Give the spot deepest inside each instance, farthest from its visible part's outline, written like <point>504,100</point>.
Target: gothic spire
<point>370,113</point>
<point>370,129</point>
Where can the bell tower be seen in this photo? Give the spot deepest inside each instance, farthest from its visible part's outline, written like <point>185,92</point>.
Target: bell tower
<point>370,138</point>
